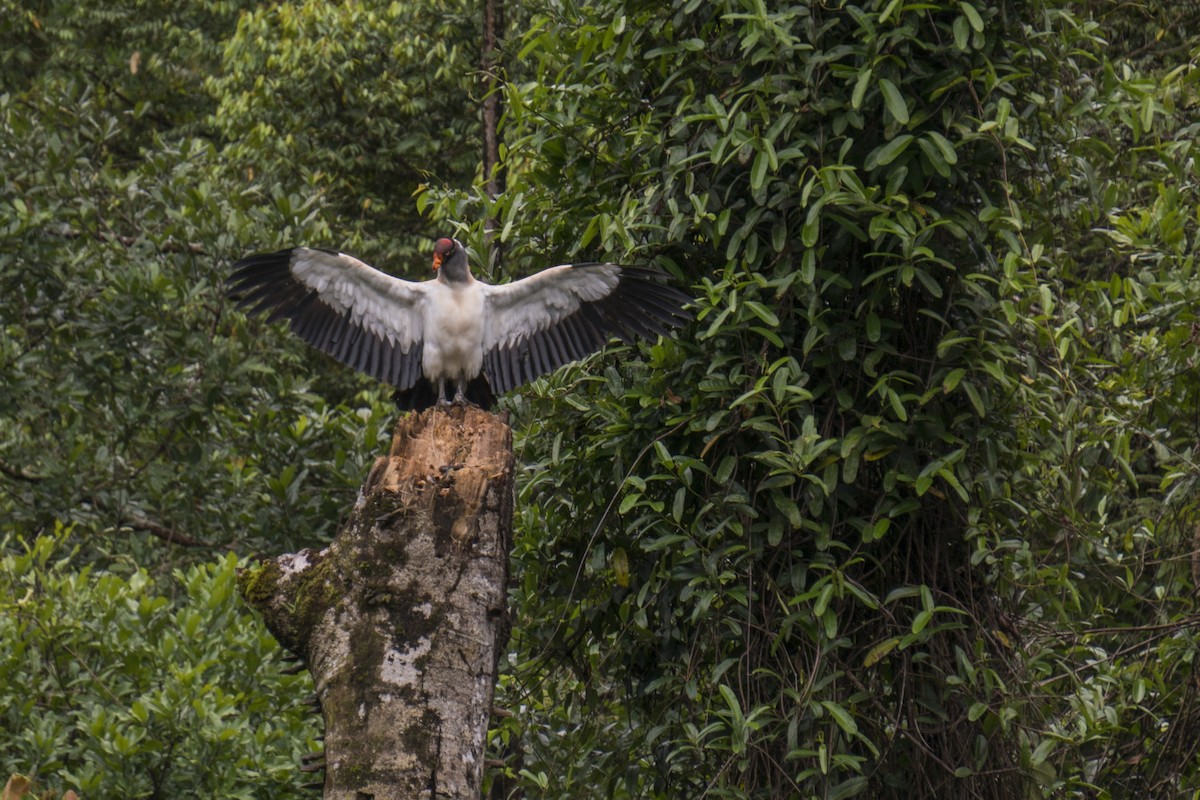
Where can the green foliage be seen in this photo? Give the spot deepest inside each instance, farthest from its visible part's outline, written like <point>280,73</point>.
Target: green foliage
<point>789,491</point>
<point>843,541</point>
<point>134,400</point>
<point>142,59</point>
<point>910,510</point>
<point>362,104</point>
<point>115,684</point>
<point>1106,302</point>
<point>138,409</point>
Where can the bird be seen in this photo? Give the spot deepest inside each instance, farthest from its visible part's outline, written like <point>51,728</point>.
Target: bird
<point>454,331</point>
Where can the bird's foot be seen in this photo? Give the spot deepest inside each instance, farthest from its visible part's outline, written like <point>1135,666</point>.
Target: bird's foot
<point>441,394</point>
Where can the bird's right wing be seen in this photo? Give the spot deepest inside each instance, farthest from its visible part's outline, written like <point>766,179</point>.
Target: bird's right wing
<point>562,314</point>
<point>364,318</point>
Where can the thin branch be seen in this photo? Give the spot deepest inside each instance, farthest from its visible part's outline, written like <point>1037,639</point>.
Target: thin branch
<point>139,523</point>
<point>493,109</point>
<point>17,474</point>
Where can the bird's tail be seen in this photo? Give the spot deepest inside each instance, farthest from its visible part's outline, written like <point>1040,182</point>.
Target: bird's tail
<point>423,394</point>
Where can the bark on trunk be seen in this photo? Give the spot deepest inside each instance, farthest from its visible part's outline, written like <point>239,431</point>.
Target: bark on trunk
<point>493,25</point>
<point>402,619</point>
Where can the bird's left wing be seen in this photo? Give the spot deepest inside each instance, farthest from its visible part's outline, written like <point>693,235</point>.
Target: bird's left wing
<point>362,317</point>
<point>537,324</point>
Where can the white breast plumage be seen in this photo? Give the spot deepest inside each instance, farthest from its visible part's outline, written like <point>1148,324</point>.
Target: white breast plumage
<point>456,313</point>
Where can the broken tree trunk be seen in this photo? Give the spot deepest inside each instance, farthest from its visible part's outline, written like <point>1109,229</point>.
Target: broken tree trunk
<point>402,619</point>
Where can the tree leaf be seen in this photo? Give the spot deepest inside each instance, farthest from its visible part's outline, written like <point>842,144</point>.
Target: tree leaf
<point>894,101</point>
<point>889,152</point>
<point>972,15</point>
<point>879,651</point>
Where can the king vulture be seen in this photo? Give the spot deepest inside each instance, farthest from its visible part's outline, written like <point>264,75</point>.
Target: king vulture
<point>484,339</point>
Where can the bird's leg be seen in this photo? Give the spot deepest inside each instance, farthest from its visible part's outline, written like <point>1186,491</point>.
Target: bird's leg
<point>441,398</point>
<point>460,395</point>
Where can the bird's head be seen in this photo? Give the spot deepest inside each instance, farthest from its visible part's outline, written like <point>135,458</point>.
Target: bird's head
<point>450,260</point>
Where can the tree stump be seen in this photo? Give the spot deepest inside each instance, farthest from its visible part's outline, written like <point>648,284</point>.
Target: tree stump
<point>402,619</point>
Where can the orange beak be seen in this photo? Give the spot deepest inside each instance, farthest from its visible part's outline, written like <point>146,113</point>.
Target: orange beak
<point>437,261</point>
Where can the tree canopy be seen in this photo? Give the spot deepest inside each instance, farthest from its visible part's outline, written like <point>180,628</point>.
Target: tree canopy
<point>909,510</point>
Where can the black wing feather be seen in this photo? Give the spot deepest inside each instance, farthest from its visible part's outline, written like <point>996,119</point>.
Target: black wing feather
<point>637,307</point>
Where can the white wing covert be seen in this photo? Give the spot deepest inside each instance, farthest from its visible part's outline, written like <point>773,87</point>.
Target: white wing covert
<point>364,318</point>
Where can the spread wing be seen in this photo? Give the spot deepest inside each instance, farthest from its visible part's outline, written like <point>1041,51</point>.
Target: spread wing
<point>535,325</point>
<point>364,318</point>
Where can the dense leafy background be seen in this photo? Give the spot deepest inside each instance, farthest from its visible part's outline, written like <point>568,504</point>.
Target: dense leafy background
<point>118,691</point>
<point>909,511</point>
